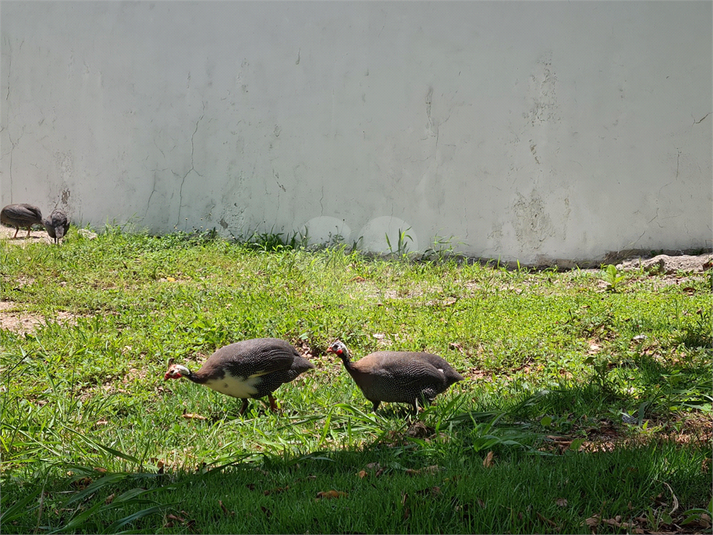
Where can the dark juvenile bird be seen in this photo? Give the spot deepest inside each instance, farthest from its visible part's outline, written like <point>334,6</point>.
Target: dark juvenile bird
<point>398,376</point>
<point>56,225</point>
<point>248,369</point>
<point>21,215</point>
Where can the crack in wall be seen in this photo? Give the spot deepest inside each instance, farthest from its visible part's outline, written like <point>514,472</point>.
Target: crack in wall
<point>13,144</point>
<point>193,168</point>
<point>702,119</point>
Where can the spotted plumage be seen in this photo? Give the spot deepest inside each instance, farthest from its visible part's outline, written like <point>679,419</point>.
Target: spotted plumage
<point>248,369</point>
<point>56,225</point>
<point>21,215</point>
<point>398,376</point>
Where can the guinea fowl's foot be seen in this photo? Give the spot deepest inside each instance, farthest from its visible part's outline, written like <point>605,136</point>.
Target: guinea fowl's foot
<point>273,404</point>
<point>244,407</point>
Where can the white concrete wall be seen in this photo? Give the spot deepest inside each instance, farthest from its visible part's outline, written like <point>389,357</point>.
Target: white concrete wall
<point>530,131</point>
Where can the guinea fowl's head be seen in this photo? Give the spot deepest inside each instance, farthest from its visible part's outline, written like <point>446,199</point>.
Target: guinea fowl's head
<point>176,371</point>
<point>339,349</point>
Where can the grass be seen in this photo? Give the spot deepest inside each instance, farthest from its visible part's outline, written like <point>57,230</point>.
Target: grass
<point>583,409</point>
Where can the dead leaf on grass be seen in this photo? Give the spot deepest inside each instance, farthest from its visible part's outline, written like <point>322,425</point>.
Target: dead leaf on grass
<point>562,502</point>
<point>225,509</point>
<point>593,521</point>
<point>419,430</point>
<point>488,461</point>
<point>82,483</point>
<point>330,495</point>
<point>429,491</point>
<point>191,416</point>
<point>362,474</point>
<point>546,520</point>
<point>278,490</point>
<point>423,471</point>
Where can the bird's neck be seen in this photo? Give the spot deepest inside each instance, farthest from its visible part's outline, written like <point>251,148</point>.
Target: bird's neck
<point>347,362</point>
<point>196,377</point>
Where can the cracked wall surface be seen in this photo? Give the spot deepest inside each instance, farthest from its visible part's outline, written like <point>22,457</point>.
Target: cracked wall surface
<point>518,130</point>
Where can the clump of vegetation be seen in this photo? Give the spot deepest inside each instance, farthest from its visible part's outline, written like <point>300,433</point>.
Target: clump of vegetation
<point>582,409</point>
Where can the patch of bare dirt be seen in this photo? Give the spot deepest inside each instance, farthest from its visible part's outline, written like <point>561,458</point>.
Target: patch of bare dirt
<point>36,236</point>
<point>20,322</point>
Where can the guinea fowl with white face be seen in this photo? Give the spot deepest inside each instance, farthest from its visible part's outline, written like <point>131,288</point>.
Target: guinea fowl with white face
<point>398,376</point>
<point>248,369</point>
<point>21,215</point>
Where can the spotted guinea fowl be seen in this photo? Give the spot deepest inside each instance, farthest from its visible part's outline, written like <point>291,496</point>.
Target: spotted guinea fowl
<point>399,376</point>
<point>21,215</point>
<point>248,369</point>
<point>56,225</point>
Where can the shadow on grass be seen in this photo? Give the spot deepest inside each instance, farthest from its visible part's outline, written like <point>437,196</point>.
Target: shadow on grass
<point>381,489</point>
<point>559,460</point>
<point>449,471</point>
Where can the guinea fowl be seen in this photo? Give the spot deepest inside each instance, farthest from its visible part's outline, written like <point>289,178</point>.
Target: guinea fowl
<point>248,369</point>
<point>21,215</point>
<point>399,376</point>
<point>56,225</point>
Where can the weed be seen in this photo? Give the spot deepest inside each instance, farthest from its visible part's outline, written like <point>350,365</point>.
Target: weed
<point>611,276</point>
<point>402,248</point>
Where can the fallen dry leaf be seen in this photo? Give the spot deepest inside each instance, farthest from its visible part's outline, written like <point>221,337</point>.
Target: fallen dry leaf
<point>592,521</point>
<point>429,491</point>
<point>225,510</point>
<point>82,483</point>
<point>191,416</point>
<point>421,471</point>
<point>546,520</point>
<point>562,502</point>
<point>110,498</point>
<point>362,474</point>
<point>331,494</point>
<point>278,490</point>
<point>488,461</point>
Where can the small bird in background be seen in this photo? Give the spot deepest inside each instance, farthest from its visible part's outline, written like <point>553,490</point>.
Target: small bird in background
<point>56,225</point>
<point>21,215</point>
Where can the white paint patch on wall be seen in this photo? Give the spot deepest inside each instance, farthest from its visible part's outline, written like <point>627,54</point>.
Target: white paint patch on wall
<point>524,130</point>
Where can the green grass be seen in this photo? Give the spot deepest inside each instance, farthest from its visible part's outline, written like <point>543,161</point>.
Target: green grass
<point>581,404</point>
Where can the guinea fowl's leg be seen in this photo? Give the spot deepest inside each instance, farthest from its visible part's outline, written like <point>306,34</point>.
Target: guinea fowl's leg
<point>273,405</point>
<point>376,405</point>
<point>244,407</point>
<point>17,229</point>
<point>28,232</point>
